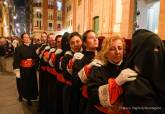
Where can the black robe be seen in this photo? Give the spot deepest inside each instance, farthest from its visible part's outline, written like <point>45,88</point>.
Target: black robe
<point>28,75</point>
<point>77,83</point>
<point>99,76</point>
<point>42,82</point>
<point>67,89</point>
<point>146,95</point>
<point>59,85</point>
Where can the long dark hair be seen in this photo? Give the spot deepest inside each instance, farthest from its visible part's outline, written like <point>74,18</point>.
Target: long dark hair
<point>65,42</point>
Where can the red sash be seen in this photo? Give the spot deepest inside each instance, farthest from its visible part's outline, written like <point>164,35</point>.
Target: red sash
<point>27,63</point>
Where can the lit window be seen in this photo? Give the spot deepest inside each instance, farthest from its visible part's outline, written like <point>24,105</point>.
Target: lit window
<point>59,5</point>
<point>118,16</point>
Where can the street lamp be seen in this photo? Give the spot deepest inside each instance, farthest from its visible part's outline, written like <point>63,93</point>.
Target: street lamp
<point>5,3</point>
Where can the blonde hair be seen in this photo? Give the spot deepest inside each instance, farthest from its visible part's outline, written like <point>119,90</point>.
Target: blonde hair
<point>106,46</point>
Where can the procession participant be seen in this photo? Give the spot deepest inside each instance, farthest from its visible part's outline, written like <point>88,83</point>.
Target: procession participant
<point>70,104</point>
<point>105,82</point>
<point>25,61</point>
<point>146,94</point>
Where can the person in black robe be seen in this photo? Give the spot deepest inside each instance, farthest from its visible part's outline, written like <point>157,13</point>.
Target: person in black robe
<point>46,76</point>
<point>104,84</point>
<point>146,95</point>
<point>70,104</point>
<point>39,52</point>
<point>80,66</point>
<point>25,61</point>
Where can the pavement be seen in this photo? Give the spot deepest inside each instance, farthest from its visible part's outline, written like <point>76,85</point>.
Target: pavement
<point>9,103</point>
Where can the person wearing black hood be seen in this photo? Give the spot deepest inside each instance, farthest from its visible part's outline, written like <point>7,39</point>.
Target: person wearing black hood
<point>146,95</point>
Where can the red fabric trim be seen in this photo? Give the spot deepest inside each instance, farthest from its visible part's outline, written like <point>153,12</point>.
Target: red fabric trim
<point>27,63</point>
<point>58,76</point>
<point>87,70</point>
<point>84,91</point>
<point>114,90</point>
<point>46,54</point>
<point>53,57</point>
<point>61,58</point>
<point>70,64</point>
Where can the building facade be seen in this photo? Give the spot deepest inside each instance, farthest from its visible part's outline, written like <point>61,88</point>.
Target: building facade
<point>6,18</point>
<point>105,17</point>
<point>108,17</point>
<point>44,15</point>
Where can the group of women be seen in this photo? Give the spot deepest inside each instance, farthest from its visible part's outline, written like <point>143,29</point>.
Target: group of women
<point>77,78</point>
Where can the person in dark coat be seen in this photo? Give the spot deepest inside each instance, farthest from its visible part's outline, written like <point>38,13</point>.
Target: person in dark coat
<point>146,95</point>
<point>45,95</point>
<point>105,81</point>
<point>70,102</point>
<point>81,66</point>
<point>40,50</point>
<point>25,61</point>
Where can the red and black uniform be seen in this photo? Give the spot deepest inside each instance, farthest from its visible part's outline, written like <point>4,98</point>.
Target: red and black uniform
<point>56,82</point>
<point>103,77</point>
<point>77,82</point>
<point>51,83</point>
<point>26,60</point>
<point>42,79</point>
<point>67,90</point>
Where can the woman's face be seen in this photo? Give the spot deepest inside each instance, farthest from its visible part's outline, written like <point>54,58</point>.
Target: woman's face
<point>75,43</point>
<point>51,40</point>
<point>91,41</point>
<point>116,51</point>
<point>26,39</point>
<point>58,42</point>
<point>43,37</point>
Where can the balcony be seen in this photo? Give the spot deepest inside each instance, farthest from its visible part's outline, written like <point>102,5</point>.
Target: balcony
<point>50,7</point>
<point>37,4</point>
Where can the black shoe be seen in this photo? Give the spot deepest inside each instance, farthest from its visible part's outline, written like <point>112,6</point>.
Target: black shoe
<point>20,98</point>
<point>29,102</point>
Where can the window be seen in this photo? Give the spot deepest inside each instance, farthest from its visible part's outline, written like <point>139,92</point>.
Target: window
<point>50,15</point>
<point>36,1</point>
<point>50,26</point>
<point>39,24</point>
<point>59,26</point>
<point>59,5</point>
<point>68,8</point>
<point>38,15</point>
<point>118,16</point>
<point>153,17</point>
<point>59,18</point>
<point>96,24</point>
<point>50,4</point>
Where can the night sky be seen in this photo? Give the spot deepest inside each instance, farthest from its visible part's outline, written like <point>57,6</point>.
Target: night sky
<point>19,2</point>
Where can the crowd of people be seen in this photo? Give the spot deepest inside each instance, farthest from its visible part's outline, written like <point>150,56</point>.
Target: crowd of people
<point>77,76</point>
<point>7,46</point>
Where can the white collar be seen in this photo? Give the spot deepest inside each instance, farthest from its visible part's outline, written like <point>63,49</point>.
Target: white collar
<point>118,64</point>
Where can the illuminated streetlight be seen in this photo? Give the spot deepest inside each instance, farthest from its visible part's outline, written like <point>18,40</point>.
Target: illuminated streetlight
<point>5,3</point>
